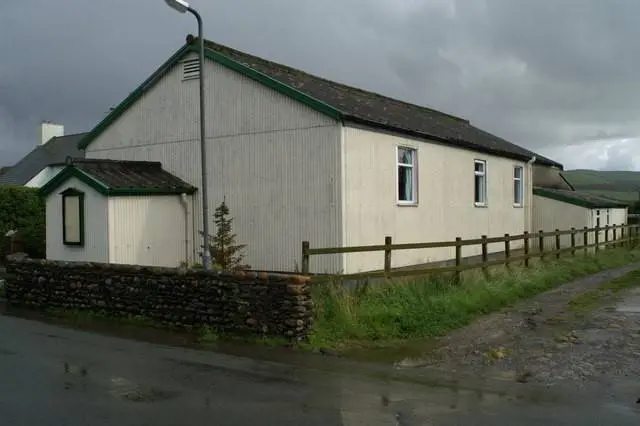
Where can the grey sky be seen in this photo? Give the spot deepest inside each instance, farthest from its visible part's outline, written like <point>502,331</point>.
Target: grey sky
<point>556,76</point>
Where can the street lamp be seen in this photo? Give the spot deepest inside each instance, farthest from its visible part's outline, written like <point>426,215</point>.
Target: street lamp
<point>182,7</point>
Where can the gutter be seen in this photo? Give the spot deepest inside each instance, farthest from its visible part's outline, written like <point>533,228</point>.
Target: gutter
<point>456,143</point>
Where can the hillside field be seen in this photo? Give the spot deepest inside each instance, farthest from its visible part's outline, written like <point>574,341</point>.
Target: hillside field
<point>619,185</point>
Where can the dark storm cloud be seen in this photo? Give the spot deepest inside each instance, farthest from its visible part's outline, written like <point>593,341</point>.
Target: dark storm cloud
<point>549,75</point>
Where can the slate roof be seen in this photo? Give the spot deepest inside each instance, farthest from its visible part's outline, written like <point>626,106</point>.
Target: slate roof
<point>578,198</point>
<point>54,151</point>
<point>376,110</point>
<point>112,177</point>
<point>345,103</point>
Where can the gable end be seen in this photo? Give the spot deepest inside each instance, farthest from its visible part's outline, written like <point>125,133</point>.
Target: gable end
<point>219,58</point>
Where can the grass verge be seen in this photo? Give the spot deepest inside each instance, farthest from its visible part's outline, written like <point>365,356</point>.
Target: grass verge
<point>432,306</point>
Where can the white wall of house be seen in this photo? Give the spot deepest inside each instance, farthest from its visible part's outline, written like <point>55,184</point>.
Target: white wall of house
<point>44,176</point>
<point>150,230</point>
<point>96,246</point>
<point>275,161</point>
<point>611,217</point>
<point>445,207</point>
<point>619,216</point>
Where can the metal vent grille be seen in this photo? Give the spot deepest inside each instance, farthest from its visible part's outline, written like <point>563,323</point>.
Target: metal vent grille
<point>190,69</point>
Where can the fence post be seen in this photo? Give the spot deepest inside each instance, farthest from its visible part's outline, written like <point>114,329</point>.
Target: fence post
<point>615,237</point>
<point>305,257</point>
<point>541,244</point>
<point>622,236</point>
<point>507,249</point>
<point>585,240</point>
<point>573,241</point>
<point>458,258</point>
<point>485,255</point>
<point>606,235</point>
<point>526,249</point>
<point>557,244</point>
<point>387,254</point>
<point>597,238</point>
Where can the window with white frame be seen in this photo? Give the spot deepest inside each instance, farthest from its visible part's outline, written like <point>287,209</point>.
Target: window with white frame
<point>407,175</point>
<point>480,182</point>
<point>518,186</point>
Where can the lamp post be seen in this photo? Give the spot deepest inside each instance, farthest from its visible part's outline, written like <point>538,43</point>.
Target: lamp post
<point>182,7</point>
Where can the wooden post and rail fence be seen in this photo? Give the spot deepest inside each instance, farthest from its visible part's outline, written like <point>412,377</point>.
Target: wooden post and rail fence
<point>614,236</point>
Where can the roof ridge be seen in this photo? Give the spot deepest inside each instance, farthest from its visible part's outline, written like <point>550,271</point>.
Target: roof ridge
<point>69,135</point>
<point>81,160</point>
<point>192,39</point>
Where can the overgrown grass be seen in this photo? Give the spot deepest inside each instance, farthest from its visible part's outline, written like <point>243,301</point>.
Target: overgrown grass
<point>433,306</point>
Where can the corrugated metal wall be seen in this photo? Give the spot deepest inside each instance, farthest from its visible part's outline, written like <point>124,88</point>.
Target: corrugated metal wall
<point>150,230</point>
<point>96,247</point>
<point>275,161</point>
<point>549,215</point>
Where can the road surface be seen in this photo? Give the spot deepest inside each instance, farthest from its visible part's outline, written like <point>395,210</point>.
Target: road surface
<point>55,376</point>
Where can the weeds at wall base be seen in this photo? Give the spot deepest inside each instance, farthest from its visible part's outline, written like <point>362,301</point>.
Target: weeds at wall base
<point>429,307</point>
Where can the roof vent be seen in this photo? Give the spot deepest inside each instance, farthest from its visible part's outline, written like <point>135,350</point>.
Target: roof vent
<point>190,69</point>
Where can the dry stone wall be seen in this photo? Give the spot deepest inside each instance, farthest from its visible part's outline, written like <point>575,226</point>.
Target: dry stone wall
<point>237,303</point>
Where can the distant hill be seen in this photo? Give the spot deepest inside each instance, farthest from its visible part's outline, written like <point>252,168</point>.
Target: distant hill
<point>622,186</point>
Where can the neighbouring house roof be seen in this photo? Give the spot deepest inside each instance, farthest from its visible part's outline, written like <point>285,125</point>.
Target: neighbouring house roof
<point>578,198</point>
<point>120,178</point>
<point>55,150</point>
<point>545,176</point>
<point>342,102</point>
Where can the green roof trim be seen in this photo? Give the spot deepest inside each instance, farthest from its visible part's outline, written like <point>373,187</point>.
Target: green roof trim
<point>221,59</point>
<point>74,172</point>
<point>577,198</point>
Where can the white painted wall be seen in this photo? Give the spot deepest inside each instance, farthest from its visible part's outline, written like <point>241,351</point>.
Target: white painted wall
<point>611,217</point>
<point>619,216</point>
<point>44,176</point>
<point>445,208</point>
<point>96,247</point>
<point>150,230</point>
<point>276,161</point>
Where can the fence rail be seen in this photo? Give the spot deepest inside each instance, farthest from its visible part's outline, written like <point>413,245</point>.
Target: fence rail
<point>614,236</point>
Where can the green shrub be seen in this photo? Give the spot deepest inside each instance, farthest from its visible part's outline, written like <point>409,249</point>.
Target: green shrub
<point>23,209</point>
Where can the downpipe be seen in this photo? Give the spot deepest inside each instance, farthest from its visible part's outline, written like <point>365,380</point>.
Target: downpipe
<point>185,204</point>
<point>529,208</point>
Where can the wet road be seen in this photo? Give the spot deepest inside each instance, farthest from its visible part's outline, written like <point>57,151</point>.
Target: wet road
<point>57,376</point>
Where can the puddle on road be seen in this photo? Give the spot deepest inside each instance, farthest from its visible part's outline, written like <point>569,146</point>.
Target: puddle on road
<point>630,304</point>
<point>127,390</point>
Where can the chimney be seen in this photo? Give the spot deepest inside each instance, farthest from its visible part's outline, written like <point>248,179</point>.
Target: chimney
<point>49,130</point>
